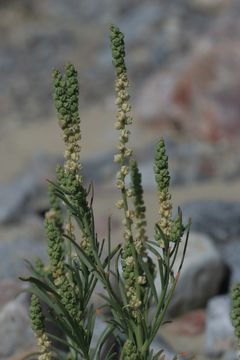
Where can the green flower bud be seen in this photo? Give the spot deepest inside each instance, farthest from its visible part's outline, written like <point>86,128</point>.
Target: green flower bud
<point>161,166</point>
<point>36,314</point>
<point>235,314</point>
<point>130,351</point>
<point>177,229</point>
<point>118,51</point>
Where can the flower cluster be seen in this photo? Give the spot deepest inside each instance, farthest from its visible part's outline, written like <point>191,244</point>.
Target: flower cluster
<point>177,228</point>
<point>78,198</point>
<point>163,179</point>
<point>65,89</point>
<point>130,268</point>
<point>37,320</point>
<point>140,218</point>
<point>66,102</point>
<point>55,245</point>
<point>54,232</point>
<point>235,315</point>
<point>118,49</point>
<point>123,106</point>
<point>172,229</point>
<point>130,351</point>
<point>39,267</point>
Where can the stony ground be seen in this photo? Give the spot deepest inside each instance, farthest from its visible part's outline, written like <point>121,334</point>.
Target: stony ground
<point>183,60</point>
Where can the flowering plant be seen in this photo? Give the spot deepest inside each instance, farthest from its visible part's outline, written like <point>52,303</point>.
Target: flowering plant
<point>76,265</point>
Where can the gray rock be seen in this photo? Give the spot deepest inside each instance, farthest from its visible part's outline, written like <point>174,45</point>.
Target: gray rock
<point>219,336</point>
<point>104,164</point>
<point>139,21</point>
<point>9,290</point>
<point>15,330</point>
<point>230,255</point>
<point>13,197</point>
<point>14,251</point>
<point>161,33</point>
<point>201,277</point>
<point>216,218</point>
<point>220,221</point>
<point>18,193</point>
<point>27,194</point>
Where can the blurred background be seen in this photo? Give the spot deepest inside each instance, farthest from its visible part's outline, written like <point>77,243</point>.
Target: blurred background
<point>183,59</point>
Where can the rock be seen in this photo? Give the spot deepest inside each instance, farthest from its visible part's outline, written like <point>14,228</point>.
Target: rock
<point>230,254</point>
<point>184,334</point>
<point>157,33</point>
<point>17,194</point>
<point>201,278</point>
<point>13,197</point>
<point>218,219</point>
<point>105,165</point>
<point>21,355</point>
<point>139,21</point>
<point>15,330</point>
<point>193,97</point>
<point>14,250</point>
<point>190,324</point>
<point>153,103</point>
<point>219,337</point>
<point>9,290</point>
<point>27,194</point>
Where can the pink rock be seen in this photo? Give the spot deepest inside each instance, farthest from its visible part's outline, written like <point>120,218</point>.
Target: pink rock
<point>23,354</point>
<point>199,96</point>
<point>190,324</point>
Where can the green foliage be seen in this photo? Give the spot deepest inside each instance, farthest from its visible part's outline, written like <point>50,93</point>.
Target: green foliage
<point>76,255</point>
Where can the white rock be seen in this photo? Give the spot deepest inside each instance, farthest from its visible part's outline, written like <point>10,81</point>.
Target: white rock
<point>219,337</point>
<point>15,330</point>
